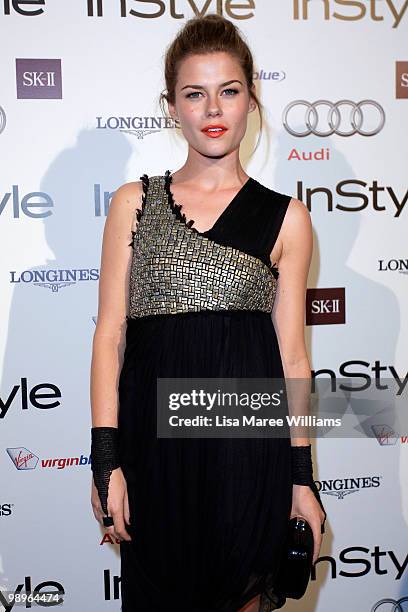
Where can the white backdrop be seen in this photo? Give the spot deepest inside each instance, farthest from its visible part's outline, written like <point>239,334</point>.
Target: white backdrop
<point>79,116</point>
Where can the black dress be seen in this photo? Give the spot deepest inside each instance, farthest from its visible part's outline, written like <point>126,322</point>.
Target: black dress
<point>208,516</point>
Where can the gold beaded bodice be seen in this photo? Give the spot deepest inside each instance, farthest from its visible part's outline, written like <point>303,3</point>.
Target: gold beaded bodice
<point>176,269</point>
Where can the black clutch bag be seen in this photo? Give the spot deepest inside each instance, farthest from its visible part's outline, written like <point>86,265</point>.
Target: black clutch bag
<point>294,572</point>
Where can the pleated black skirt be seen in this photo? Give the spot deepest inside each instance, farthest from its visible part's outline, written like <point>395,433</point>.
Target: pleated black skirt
<point>208,515</point>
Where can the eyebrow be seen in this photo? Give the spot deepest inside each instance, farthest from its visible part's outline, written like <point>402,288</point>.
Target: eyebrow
<point>201,87</point>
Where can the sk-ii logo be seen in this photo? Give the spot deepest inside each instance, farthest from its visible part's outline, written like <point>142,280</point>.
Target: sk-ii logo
<point>401,79</point>
<point>39,78</point>
<point>325,306</point>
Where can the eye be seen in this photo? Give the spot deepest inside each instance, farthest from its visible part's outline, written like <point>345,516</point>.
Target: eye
<point>230,89</point>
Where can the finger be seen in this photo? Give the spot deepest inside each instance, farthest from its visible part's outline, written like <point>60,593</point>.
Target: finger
<point>126,512</point>
<point>119,524</point>
<point>317,540</point>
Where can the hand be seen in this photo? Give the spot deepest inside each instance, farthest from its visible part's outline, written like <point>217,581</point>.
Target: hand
<point>118,505</point>
<point>305,504</point>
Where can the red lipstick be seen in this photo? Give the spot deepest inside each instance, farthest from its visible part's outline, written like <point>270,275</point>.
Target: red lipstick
<point>214,130</point>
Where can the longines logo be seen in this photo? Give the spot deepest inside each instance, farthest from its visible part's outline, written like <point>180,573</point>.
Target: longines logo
<point>343,118</point>
<point>137,126</point>
<point>393,265</point>
<point>39,79</point>
<point>359,200</point>
<point>325,306</point>
<point>401,79</point>
<point>175,8</point>
<point>340,487</point>
<point>370,9</point>
<point>54,279</point>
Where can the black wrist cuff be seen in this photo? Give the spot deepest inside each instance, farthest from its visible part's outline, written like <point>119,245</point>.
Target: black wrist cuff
<point>302,472</point>
<point>104,459</point>
<point>302,467</point>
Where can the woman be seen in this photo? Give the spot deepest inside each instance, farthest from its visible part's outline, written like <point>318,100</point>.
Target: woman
<point>201,522</point>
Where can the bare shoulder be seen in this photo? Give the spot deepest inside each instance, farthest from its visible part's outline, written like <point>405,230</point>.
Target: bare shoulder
<point>297,224</point>
<point>297,212</point>
<point>128,195</point>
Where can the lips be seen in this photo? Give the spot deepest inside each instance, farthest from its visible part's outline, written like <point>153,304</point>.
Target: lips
<point>214,131</point>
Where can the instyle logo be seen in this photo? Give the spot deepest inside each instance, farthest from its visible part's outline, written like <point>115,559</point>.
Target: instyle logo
<point>341,487</point>
<point>54,279</point>
<point>135,125</point>
<point>326,306</point>
<point>380,198</point>
<point>393,265</point>
<point>3,119</point>
<point>374,10</point>
<point>11,201</point>
<point>10,6</point>
<point>24,459</point>
<point>35,397</point>
<point>373,375</point>
<point>143,9</point>
<point>358,561</point>
<point>401,79</point>
<point>324,118</point>
<point>111,585</point>
<point>45,595</point>
<point>275,75</point>
<point>39,79</point>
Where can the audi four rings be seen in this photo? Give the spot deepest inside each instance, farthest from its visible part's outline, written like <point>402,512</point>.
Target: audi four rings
<point>334,117</point>
<point>390,605</point>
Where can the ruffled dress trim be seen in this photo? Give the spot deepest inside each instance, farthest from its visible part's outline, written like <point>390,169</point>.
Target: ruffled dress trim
<point>176,208</point>
<point>139,211</point>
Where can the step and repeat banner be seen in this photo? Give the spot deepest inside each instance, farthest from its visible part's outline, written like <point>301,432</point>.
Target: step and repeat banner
<point>79,116</point>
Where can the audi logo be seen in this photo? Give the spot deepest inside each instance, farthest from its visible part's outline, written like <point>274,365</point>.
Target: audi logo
<point>389,605</point>
<point>336,115</point>
<point>2,119</point>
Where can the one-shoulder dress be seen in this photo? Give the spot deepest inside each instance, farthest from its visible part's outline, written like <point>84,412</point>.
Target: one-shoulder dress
<point>208,516</point>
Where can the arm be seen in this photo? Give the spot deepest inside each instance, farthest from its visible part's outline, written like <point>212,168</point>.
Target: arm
<point>289,309</point>
<point>109,491</point>
<point>288,317</point>
<point>109,337</point>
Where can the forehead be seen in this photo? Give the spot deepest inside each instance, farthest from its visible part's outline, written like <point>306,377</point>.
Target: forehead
<point>209,69</point>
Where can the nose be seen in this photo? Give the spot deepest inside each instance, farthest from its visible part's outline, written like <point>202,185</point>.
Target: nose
<point>213,107</point>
